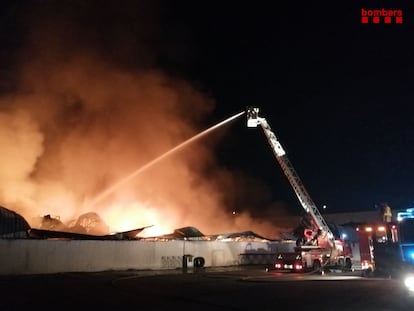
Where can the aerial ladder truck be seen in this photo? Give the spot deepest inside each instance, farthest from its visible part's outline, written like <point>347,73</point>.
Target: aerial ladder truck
<point>317,249</point>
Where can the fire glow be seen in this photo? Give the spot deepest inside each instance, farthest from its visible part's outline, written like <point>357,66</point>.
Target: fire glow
<point>79,122</point>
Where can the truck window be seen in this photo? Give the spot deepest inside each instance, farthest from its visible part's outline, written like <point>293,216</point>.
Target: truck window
<point>407,230</point>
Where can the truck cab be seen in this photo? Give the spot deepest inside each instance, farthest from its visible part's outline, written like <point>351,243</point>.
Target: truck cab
<point>292,262</point>
<point>387,249</point>
<point>301,260</point>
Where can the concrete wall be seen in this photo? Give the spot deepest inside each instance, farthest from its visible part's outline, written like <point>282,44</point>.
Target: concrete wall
<point>21,256</point>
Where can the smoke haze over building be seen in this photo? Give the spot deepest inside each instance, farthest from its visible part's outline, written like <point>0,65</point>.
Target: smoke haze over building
<point>90,103</point>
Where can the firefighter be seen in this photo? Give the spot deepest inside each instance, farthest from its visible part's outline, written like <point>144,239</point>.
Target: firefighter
<point>387,214</point>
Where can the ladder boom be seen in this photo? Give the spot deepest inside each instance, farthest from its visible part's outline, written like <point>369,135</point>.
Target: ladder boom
<point>303,196</point>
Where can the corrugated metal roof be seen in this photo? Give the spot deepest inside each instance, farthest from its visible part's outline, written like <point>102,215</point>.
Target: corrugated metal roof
<point>12,225</point>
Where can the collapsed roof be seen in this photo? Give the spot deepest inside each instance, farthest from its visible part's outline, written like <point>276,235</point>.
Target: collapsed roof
<point>91,227</point>
<point>12,225</point>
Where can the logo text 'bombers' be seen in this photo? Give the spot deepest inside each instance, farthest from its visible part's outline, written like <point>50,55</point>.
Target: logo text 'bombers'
<point>384,16</point>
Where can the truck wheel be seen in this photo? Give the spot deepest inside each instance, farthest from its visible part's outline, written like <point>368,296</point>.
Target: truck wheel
<point>348,264</point>
<point>367,273</point>
<point>316,266</point>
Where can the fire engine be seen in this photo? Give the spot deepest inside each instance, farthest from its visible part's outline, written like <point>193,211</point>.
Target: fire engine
<point>317,249</point>
<point>387,249</point>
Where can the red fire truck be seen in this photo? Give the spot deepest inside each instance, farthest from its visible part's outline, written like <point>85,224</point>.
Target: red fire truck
<point>318,248</point>
<point>387,249</point>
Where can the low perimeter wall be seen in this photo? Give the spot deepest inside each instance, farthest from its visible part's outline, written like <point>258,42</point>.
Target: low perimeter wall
<point>58,256</point>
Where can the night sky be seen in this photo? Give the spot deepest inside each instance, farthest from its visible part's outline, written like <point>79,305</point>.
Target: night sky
<point>338,93</point>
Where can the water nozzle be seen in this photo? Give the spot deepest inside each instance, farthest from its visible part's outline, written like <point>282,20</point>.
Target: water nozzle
<point>252,116</point>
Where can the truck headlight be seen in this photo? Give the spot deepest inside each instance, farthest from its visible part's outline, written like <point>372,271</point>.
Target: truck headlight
<point>409,282</point>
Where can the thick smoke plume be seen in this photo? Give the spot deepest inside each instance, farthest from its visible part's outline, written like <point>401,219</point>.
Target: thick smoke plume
<point>91,106</point>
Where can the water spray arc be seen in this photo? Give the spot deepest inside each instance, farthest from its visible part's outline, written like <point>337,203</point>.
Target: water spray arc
<point>158,159</point>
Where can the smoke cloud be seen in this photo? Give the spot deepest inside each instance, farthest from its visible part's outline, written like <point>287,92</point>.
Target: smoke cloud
<point>91,105</point>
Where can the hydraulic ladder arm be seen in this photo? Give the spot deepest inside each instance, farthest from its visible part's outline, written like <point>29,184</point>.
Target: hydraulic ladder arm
<point>253,120</point>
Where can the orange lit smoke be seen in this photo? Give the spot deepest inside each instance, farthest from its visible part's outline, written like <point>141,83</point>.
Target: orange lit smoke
<point>78,123</point>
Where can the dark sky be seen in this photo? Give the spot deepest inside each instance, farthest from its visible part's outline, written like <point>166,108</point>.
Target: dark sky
<point>338,93</point>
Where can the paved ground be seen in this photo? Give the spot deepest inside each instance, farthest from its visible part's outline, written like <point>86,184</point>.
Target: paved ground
<point>237,288</point>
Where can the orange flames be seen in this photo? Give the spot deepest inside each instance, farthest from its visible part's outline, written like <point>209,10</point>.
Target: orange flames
<point>79,120</point>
